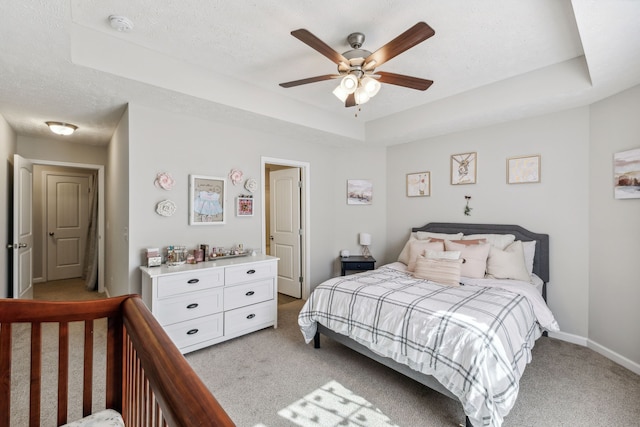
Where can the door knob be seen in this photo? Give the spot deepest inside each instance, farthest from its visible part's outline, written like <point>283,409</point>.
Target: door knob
<point>51,233</point>
<point>270,237</point>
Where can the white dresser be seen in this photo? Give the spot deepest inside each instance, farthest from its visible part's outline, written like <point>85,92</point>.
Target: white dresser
<point>206,303</point>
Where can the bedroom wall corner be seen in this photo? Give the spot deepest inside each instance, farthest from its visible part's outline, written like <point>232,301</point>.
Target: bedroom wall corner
<point>614,318</point>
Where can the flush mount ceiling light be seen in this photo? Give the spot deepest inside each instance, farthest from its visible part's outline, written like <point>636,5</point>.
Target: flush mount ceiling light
<point>359,80</point>
<point>60,128</point>
<point>120,23</point>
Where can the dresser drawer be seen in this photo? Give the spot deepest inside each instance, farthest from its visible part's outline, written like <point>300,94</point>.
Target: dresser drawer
<point>194,331</point>
<point>245,273</point>
<point>247,318</point>
<point>192,281</point>
<point>249,293</point>
<point>189,306</point>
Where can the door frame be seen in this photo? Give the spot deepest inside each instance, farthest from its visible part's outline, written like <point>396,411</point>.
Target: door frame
<point>305,209</point>
<point>101,208</point>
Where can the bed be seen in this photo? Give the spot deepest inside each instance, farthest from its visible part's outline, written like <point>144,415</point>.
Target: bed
<point>147,382</point>
<point>470,339</point>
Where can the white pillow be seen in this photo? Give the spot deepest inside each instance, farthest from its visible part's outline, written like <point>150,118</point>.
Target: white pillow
<point>424,235</point>
<point>404,254</point>
<point>419,248</point>
<point>474,256</point>
<point>529,253</point>
<point>508,264</point>
<point>442,271</point>
<point>500,241</point>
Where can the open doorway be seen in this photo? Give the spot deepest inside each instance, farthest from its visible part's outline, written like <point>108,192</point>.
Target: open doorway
<point>285,223</point>
<point>56,251</point>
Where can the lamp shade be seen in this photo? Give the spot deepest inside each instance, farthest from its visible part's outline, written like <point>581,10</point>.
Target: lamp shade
<point>349,83</point>
<point>365,239</point>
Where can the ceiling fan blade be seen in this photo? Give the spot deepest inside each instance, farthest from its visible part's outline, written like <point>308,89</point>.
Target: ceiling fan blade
<point>350,101</point>
<point>312,41</point>
<point>402,80</point>
<point>310,80</point>
<point>413,36</point>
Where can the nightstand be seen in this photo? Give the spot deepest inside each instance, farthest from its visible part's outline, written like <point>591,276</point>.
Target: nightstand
<point>356,263</point>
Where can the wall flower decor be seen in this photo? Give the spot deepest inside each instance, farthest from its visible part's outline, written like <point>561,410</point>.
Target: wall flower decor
<point>164,180</point>
<point>235,176</point>
<point>166,208</point>
<point>251,185</point>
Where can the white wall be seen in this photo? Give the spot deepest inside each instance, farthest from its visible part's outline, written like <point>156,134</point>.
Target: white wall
<point>117,213</point>
<point>8,143</point>
<point>58,149</point>
<point>614,232</point>
<point>558,205</point>
<point>181,145</point>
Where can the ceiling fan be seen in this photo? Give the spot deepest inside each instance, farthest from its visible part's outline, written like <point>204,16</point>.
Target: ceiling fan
<point>356,67</point>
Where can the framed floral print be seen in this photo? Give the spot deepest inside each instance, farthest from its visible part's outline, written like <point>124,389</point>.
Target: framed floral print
<point>418,184</point>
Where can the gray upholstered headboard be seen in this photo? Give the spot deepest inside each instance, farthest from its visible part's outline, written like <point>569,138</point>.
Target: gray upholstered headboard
<point>540,260</point>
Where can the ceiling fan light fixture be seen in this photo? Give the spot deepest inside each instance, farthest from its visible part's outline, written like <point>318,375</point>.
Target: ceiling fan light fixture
<point>361,96</point>
<point>60,128</point>
<point>372,86</point>
<point>349,83</point>
<point>340,93</point>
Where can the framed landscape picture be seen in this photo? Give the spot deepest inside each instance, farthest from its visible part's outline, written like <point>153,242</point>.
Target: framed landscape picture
<point>359,192</point>
<point>626,166</point>
<point>206,200</point>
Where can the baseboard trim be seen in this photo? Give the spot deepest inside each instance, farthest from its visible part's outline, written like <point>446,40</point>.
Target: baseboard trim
<point>612,355</point>
<point>598,348</point>
<point>573,339</point>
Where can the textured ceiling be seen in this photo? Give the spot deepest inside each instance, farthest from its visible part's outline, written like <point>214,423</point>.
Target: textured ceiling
<point>491,61</point>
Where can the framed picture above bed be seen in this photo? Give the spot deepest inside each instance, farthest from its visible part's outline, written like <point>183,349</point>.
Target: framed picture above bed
<point>523,170</point>
<point>463,168</point>
<point>206,200</point>
<point>419,184</point>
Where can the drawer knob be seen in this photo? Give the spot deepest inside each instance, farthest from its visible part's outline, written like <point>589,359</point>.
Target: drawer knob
<point>251,271</point>
<point>251,316</point>
<point>194,305</point>
<point>192,281</point>
<point>192,331</point>
<point>249,293</point>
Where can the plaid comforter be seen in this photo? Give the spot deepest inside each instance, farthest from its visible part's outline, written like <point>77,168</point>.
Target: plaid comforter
<point>475,340</point>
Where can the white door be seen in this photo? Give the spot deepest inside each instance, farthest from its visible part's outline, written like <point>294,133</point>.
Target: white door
<point>285,228</point>
<point>67,210</point>
<point>22,228</point>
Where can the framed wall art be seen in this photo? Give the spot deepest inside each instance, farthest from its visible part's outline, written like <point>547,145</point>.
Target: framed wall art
<point>359,192</point>
<point>626,168</point>
<point>206,200</point>
<point>523,169</point>
<point>418,184</point>
<point>244,206</point>
<point>463,168</point>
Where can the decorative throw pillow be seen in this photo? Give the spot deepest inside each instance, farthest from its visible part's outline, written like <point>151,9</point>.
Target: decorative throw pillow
<point>500,241</point>
<point>508,264</point>
<point>443,254</point>
<point>462,242</point>
<point>474,256</point>
<point>419,248</point>
<point>404,254</point>
<point>529,254</point>
<point>442,271</point>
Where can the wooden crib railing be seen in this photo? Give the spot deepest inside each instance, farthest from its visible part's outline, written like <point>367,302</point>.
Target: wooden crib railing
<point>146,377</point>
